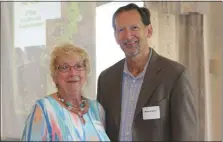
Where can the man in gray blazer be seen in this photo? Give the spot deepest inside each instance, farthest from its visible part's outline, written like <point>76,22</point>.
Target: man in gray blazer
<point>146,97</point>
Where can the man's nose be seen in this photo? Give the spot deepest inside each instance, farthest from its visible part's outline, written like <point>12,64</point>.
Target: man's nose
<point>128,34</point>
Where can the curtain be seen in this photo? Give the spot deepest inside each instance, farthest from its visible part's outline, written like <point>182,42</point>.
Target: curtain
<point>7,70</point>
<point>178,35</point>
<point>191,53</point>
<point>28,34</point>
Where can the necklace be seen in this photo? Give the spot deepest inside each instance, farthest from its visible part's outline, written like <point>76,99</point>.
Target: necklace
<point>69,105</point>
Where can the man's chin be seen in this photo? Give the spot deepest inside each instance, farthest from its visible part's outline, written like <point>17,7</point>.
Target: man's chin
<point>131,54</point>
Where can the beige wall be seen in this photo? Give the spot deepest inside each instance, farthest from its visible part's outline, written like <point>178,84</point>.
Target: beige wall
<point>165,40</point>
<point>213,46</point>
<point>78,20</point>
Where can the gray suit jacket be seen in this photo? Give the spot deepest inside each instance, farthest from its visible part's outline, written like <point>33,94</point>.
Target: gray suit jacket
<point>166,85</point>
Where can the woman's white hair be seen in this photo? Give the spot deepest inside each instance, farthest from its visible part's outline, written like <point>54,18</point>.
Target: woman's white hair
<point>68,50</point>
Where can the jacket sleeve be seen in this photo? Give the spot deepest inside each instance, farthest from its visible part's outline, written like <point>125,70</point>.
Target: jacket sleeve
<point>183,110</point>
<point>99,93</point>
<point>100,101</point>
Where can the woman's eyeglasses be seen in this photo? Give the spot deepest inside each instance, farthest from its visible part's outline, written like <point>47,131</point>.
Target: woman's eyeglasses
<point>67,68</point>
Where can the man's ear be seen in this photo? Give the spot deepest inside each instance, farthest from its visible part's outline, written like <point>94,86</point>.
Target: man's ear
<point>149,30</point>
<point>116,37</point>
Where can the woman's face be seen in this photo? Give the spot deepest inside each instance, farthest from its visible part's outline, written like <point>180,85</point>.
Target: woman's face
<point>70,75</point>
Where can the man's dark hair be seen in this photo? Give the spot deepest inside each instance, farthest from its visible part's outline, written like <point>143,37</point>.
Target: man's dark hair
<point>144,13</point>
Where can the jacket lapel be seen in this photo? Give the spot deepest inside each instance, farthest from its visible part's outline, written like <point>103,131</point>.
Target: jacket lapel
<point>150,81</point>
<point>117,94</point>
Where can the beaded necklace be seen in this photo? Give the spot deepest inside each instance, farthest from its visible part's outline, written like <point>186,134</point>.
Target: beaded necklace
<point>69,105</point>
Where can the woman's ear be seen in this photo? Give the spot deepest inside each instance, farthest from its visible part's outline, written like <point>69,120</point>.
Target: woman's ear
<point>54,77</point>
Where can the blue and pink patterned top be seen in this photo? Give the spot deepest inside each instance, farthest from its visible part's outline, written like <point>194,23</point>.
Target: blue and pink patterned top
<point>49,121</point>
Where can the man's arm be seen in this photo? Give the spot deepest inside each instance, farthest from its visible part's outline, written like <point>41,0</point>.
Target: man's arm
<point>183,109</point>
<point>99,90</point>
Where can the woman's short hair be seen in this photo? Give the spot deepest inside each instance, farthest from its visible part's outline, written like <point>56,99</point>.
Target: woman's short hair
<point>68,50</point>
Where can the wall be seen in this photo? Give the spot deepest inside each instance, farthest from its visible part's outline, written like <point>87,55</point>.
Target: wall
<point>213,45</point>
<point>166,40</point>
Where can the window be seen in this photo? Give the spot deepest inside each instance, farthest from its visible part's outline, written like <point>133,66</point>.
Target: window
<point>29,31</point>
<point>107,51</point>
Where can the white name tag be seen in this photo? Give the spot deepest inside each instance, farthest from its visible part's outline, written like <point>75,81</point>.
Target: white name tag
<point>152,112</point>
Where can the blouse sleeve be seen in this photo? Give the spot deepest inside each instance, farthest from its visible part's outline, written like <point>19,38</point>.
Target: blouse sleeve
<point>35,126</point>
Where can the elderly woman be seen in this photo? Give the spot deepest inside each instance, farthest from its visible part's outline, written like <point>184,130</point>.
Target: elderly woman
<point>67,115</point>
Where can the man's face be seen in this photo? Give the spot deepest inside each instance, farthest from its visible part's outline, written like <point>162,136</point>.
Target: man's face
<point>131,34</point>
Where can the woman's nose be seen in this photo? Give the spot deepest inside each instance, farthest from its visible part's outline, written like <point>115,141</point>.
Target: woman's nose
<point>73,70</point>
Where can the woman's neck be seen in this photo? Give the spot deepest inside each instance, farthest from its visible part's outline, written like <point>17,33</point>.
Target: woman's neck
<point>72,97</point>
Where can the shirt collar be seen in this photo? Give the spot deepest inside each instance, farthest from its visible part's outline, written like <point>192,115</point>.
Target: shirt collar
<point>127,72</point>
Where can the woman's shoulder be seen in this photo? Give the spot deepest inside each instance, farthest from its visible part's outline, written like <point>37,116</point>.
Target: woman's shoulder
<point>96,111</point>
<point>93,103</point>
<point>45,102</point>
<point>91,100</point>
<point>95,106</point>
<point>38,109</point>
<point>47,98</point>
<point>42,101</point>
